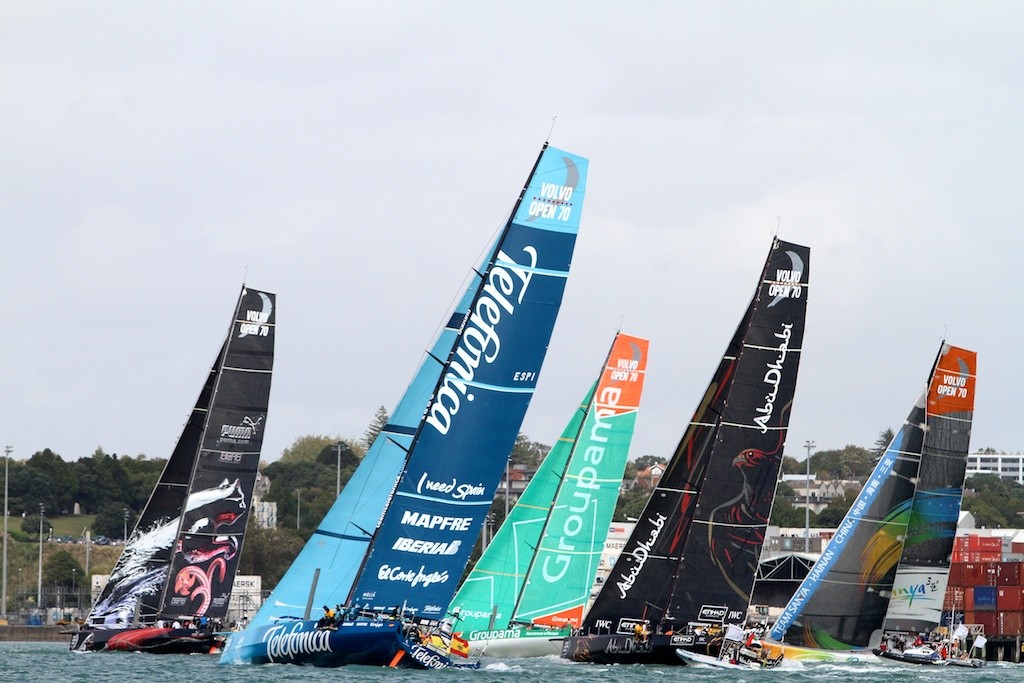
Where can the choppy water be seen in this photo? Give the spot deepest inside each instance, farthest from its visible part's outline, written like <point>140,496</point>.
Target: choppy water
<point>53,663</point>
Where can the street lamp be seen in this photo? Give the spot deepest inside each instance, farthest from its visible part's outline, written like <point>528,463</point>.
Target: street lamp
<point>7,460</point>
<point>298,509</point>
<point>807,512</point>
<point>337,484</point>
<point>39,587</point>
<point>125,533</point>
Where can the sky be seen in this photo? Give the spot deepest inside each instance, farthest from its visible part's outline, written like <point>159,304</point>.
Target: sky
<point>356,157</point>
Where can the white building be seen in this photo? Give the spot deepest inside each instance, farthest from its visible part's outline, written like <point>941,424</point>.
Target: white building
<point>1006,465</point>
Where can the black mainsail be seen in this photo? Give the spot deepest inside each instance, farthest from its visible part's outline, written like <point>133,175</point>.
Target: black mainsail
<point>694,551</point>
<point>182,555</point>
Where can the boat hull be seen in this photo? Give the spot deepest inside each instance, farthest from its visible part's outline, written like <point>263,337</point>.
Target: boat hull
<point>517,642</point>
<point>792,653</point>
<point>697,659</point>
<point>621,649</point>
<point>147,639</point>
<point>925,657</point>
<point>369,643</point>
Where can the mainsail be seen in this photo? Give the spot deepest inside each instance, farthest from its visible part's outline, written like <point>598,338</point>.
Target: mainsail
<point>913,494</point>
<point>400,533</point>
<point>540,566</point>
<point>182,555</point>
<point>695,548</point>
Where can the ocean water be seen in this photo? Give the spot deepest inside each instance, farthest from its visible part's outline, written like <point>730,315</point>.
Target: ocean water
<point>53,663</point>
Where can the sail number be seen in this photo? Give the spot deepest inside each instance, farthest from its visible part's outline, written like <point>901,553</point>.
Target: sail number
<point>524,376</point>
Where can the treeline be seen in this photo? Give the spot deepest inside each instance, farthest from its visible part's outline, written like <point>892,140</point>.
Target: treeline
<point>304,482</point>
<point>104,485</point>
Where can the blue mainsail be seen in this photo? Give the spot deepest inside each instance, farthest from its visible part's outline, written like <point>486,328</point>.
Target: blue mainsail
<point>451,433</point>
<point>424,542</point>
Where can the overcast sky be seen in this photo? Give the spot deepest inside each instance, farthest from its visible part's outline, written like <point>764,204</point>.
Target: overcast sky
<point>356,157</point>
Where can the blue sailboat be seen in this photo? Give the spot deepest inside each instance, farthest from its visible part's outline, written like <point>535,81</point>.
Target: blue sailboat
<point>392,548</point>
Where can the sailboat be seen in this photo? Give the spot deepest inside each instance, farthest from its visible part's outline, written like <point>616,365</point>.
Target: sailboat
<point>391,549</point>
<point>180,560</point>
<point>895,542</point>
<point>530,586</point>
<point>695,548</point>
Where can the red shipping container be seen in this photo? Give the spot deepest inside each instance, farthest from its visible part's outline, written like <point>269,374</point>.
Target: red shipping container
<point>969,599</point>
<point>1017,548</point>
<point>950,597</point>
<point>1010,623</point>
<point>1008,574</point>
<point>1009,599</point>
<point>988,620</point>
<point>956,574</point>
<point>991,544</point>
<point>979,574</point>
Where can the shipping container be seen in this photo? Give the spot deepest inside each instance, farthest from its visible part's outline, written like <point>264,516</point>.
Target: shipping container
<point>1008,574</point>
<point>1009,598</point>
<point>988,621</point>
<point>985,598</point>
<point>1009,623</point>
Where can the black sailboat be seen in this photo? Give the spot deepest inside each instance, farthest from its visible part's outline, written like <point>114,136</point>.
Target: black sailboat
<point>179,563</point>
<point>692,555</point>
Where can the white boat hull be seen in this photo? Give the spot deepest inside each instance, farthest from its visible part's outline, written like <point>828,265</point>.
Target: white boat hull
<point>697,659</point>
<point>533,645</point>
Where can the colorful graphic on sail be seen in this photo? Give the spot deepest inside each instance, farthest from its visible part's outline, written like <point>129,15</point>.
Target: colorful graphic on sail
<point>695,548</point>
<point>923,571</point>
<point>182,555</point>
<point>843,601</point>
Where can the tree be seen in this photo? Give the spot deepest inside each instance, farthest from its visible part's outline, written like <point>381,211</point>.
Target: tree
<point>380,420</point>
<point>526,452</point>
<point>61,482</point>
<point>645,461</point>
<point>62,569</point>
<point>307,448</point>
<point>110,521</point>
<point>994,501</point>
<point>631,504</point>
<point>885,437</point>
<point>269,553</point>
<point>785,514</point>
<point>793,466</point>
<point>850,462</point>
<point>30,525</point>
<point>832,516</point>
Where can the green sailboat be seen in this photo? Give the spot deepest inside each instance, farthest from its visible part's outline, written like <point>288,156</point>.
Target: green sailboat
<point>533,582</point>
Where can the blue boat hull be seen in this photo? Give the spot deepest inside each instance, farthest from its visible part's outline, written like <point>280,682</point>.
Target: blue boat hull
<point>368,643</point>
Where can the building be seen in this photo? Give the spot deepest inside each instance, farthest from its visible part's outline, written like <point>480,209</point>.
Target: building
<point>649,477</point>
<point>816,494</point>
<point>1006,465</point>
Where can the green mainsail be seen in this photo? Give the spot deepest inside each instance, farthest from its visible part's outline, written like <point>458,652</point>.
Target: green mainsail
<point>541,564</point>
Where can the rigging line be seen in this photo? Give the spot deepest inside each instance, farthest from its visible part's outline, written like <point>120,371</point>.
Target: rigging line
<point>554,120</point>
